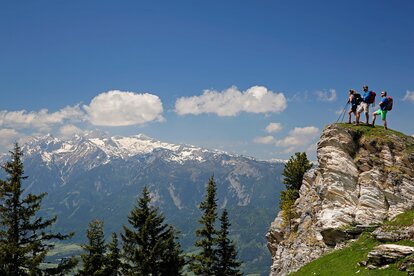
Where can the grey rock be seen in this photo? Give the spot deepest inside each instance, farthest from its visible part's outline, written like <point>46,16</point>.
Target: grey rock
<point>388,253</point>
<point>360,180</point>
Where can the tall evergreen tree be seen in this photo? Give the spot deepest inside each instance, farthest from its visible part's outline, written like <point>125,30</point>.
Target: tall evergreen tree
<point>25,238</point>
<point>94,258</point>
<point>294,170</point>
<point>145,245</point>
<point>172,258</point>
<point>227,263</point>
<point>203,262</point>
<point>113,258</point>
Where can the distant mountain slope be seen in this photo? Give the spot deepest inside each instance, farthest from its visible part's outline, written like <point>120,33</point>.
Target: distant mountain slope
<point>91,177</point>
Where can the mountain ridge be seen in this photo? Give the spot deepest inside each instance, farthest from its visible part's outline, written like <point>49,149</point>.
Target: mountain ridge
<point>91,177</point>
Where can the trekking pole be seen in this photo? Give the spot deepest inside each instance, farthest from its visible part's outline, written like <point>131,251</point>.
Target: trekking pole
<point>342,113</point>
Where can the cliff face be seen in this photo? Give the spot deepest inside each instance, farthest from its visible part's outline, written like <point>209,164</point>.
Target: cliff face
<point>365,176</point>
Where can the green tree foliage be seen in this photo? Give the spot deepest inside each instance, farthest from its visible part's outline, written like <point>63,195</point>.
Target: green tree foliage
<point>294,170</point>
<point>173,260</point>
<point>227,263</point>
<point>25,238</point>
<point>146,245</point>
<point>287,206</point>
<point>113,258</point>
<point>203,263</point>
<point>94,258</point>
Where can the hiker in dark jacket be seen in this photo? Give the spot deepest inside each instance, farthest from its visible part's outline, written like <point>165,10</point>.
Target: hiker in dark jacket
<point>354,105</point>
<point>383,109</point>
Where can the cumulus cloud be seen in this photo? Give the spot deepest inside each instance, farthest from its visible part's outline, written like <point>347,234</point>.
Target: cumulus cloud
<point>39,120</point>
<point>298,137</point>
<point>230,102</point>
<point>265,140</point>
<point>117,108</point>
<point>274,127</point>
<point>8,136</point>
<point>326,96</point>
<point>409,96</point>
<point>68,131</point>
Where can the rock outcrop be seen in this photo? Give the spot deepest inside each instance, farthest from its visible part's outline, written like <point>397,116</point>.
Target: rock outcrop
<point>387,254</point>
<point>365,176</point>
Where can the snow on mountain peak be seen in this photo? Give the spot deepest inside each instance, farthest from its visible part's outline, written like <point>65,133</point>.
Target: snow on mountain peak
<point>105,147</point>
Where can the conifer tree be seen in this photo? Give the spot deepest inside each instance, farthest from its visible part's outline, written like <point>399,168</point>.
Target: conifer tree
<point>172,258</point>
<point>203,263</point>
<point>294,170</point>
<point>94,258</point>
<point>113,258</point>
<point>287,206</point>
<point>293,174</point>
<point>227,263</point>
<point>25,238</point>
<point>145,245</point>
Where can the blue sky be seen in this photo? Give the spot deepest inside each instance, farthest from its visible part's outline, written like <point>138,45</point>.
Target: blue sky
<point>260,78</point>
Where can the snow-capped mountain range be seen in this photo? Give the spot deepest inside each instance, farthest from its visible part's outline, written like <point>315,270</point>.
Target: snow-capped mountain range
<point>110,147</point>
<point>98,176</point>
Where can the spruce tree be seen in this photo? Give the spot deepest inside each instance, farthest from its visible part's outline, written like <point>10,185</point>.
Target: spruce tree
<point>203,263</point>
<point>145,245</point>
<point>113,258</point>
<point>25,238</point>
<point>172,258</point>
<point>294,170</point>
<point>94,258</point>
<point>227,263</point>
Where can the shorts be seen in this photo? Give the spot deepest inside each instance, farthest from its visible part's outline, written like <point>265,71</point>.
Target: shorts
<point>363,107</point>
<point>354,108</point>
<point>383,114</point>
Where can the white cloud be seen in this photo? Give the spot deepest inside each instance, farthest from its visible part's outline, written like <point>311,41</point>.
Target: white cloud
<point>118,108</point>
<point>39,120</point>
<point>68,131</point>
<point>274,127</point>
<point>298,137</point>
<point>409,96</point>
<point>7,137</point>
<point>230,102</point>
<point>299,97</point>
<point>265,140</point>
<point>339,111</point>
<point>326,96</point>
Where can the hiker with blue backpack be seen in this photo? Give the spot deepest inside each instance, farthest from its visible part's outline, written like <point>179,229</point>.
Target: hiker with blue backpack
<point>367,99</point>
<point>385,106</point>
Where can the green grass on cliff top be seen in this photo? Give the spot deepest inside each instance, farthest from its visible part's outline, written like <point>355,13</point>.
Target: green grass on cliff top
<point>345,261</point>
<point>372,132</point>
<point>381,135</point>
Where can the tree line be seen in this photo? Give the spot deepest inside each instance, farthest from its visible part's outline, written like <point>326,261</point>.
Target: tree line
<point>149,245</point>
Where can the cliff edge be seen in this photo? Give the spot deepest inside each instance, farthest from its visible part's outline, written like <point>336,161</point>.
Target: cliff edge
<point>365,176</point>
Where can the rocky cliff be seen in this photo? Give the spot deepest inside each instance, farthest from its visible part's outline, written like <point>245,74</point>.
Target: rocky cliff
<point>365,176</point>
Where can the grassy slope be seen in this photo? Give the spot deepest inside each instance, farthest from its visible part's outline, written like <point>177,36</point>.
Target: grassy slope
<point>345,261</point>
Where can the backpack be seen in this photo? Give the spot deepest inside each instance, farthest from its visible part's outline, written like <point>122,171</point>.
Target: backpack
<point>357,98</point>
<point>369,97</point>
<point>389,104</point>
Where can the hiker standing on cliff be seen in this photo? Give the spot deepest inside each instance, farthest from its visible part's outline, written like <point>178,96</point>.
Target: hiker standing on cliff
<point>353,101</point>
<point>385,106</point>
<point>367,99</point>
